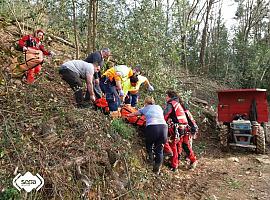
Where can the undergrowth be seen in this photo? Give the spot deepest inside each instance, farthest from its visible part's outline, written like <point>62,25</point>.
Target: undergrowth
<point>122,128</point>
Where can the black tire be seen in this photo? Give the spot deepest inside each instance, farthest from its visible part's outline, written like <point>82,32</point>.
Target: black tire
<point>260,141</point>
<point>223,137</point>
<point>266,133</point>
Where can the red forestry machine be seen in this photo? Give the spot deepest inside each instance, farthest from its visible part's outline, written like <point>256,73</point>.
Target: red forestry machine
<point>242,117</point>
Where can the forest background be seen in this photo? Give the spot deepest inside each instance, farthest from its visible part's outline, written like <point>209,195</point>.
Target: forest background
<point>163,36</point>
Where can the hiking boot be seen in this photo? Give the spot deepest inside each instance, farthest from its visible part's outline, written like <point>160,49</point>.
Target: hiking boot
<point>84,105</point>
<point>173,169</point>
<point>193,165</point>
<point>167,154</point>
<point>156,169</point>
<point>150,159</point>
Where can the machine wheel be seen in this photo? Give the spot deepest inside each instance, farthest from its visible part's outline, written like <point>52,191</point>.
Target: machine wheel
<point>223,136</point>
<point>260,141</point>
<point>266,132</point>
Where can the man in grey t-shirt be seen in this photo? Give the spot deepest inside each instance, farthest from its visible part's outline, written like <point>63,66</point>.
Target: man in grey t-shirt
<point>73,71</point>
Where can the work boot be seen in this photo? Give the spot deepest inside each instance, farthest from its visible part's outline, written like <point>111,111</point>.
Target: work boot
<point>156,169</point>
<point>79,97</point>
<point>167,154</point>
<point>84,105</point>
<point>173,169</point>
<point>193,165</point>
<point>150,158</point>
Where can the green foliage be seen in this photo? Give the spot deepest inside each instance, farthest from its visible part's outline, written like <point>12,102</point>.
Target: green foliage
<point>122,128</point>
<point>10,194</point>
<point>162,38</point>
<point>234,184</point>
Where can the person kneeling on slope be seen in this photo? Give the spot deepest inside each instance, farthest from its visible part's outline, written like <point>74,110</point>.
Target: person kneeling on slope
<point>72,72</point>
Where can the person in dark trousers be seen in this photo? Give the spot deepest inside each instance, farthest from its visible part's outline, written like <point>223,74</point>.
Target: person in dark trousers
<point>111,85</point>
<point>155,132</point>
<point>72,72</point>
<point>131,88</point>
<point>97,57</point>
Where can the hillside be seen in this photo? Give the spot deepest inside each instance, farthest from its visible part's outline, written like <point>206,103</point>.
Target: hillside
<point>82,151</point>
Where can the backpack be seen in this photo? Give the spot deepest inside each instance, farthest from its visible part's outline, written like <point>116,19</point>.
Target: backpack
<point>137,120</point>
<point>32,58</point>
<point>192,126</point>
<point>102,104</point>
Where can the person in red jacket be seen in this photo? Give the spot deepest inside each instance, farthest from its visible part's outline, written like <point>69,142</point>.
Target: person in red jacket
<point>31,45</point>
<point>178,122</point>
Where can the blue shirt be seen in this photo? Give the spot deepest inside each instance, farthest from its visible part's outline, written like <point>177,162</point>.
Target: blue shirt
<point>153,114</point>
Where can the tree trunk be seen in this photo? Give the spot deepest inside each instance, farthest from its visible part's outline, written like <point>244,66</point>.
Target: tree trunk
<point>75,29</point>
<point>94,29</point>
<point>204,36</point>
<point>90,22</point>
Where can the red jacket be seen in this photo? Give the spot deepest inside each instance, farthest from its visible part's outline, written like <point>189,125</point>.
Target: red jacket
<point>33,42</point>
<point>175,111</point>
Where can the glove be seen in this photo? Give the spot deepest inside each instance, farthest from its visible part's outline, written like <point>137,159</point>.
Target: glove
<point>121,93</point>
<point>52,54</point>
<point>194,129</point>
<point>25,48</point>
<point>150,88</point>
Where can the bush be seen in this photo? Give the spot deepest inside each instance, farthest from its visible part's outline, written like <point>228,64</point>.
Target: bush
<point>9,194</point>
<point>122,128</point>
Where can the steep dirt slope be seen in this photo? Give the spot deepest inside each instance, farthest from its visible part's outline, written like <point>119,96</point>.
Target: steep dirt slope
<point>42,132</point>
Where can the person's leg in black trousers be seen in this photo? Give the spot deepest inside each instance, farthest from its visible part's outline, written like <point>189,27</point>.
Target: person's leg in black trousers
<point>75,83</point>
<point>156,135</point>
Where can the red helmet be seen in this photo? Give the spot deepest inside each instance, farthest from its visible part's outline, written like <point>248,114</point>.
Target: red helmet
<point>39,31</point>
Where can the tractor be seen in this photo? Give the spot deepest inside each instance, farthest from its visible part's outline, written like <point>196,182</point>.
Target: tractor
<point>242,118</point>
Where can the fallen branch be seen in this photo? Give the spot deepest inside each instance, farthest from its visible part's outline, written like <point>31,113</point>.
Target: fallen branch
<point>62,40</point>
<point>200,101</point>
<point>48,34</point>
<point>84,179</point>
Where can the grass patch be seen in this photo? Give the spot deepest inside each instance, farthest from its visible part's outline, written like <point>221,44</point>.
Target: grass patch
<point>234,184</point>
<point>122,128</point>
<point>199,147</point>
<point>9,194</point>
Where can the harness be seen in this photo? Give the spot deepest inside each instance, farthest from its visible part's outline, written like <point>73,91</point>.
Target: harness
<point>180,127</point>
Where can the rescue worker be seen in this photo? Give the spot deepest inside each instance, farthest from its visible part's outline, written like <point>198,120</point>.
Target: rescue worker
<point>176,118</point>
<point>131,88</point>
<point>111,84</point>
<point>155,132</point>
<point>97,57</point>
<point>186,140</point>
<point>72,72</point>
<point>31,46</point>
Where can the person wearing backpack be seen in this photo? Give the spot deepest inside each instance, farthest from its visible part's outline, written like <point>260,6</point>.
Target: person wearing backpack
<point>131,88</point>
<point>72,72</point>
<point>155,132</point>
<point>32,47</point>
<point>175,116</point>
